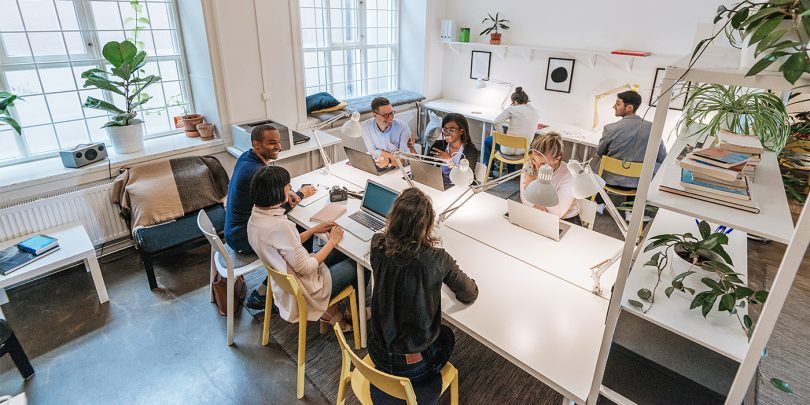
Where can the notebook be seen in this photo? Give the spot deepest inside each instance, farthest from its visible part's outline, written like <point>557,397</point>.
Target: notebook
<point>328,213</point>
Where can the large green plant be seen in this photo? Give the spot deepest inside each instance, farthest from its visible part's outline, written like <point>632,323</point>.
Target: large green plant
<point>127,65</point>
<point>760,23</point>
<point>713,107</point>
<point>497,23</point>
<point>6,101</point>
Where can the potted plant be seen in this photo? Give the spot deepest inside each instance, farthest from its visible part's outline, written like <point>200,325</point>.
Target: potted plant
<point>206,130</point>
<point>124,130</point>
<point>497,23</point>
<point>6,101</point>
<point>714,106</point>
<point>190,120</point>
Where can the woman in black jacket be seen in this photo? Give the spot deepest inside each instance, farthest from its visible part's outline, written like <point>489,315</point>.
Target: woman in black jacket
<point>407,337</point>
<point>456,143</point>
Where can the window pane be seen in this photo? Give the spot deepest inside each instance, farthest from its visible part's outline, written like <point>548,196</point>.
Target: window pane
<point>106,15</point>
<point>169,70</point>
<point>16,45</point>
<point>40,139</point>
<point>10,17</point>
<point>67,15</point>
<point>157,99</point>
<point>172,90</point>
<point>159,15</point>
<point>164,43</point>
<point>107,36</point>
<point>39,15</point>
<point>156,121</point>
<point>9,150</point>
<point>22,82</point>
<point>91,112</point>
<point>47,43</point>
<point>32,111</point>
<point>57,79</point>
<point>72,133</point>
<point>65,106</point>
<point>76,46</point>
<point>97,133</point>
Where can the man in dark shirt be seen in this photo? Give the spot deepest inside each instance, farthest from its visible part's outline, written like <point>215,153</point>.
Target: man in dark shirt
<point>266,144</point>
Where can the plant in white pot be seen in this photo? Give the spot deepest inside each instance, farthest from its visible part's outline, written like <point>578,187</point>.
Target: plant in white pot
<point>124,79</point>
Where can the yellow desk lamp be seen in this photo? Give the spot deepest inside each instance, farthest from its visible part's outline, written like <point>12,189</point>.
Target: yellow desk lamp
<point>596,99</point>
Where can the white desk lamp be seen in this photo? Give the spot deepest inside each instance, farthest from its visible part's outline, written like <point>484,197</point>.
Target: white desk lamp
<point>480,83</point>
<point>597,97</point>
<point>350,128</point>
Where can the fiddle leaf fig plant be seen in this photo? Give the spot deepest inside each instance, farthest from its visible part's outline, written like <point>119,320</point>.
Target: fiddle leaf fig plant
<point>124,79</point>
<point>7,100</point>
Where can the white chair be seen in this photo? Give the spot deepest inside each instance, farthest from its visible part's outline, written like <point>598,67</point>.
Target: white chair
<point>587,212</point>
<point>228,272</point>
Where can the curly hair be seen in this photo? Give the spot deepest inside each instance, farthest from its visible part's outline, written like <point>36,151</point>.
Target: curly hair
<point>409,225</point>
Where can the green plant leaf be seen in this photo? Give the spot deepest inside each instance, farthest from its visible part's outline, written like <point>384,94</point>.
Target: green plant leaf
<point>743,292</point>
<point>727,303</point>
<point>13,123</point>
<point>682,276</point>
<point>708,304</point>
<point>747,322</point>
<point>738,18</point>
<point>699,299</point>
<point>759,15</point>
<point>794,66</point>
<point>714,285</point>
<point>761,296</point>
<point>669,291</point>
<point>761,65</point>
<point>97,104</point>
<point>768,41</point>
<point>636,304</point>
<point>644,294</point>
<point>767,26</point>
<point>781,385</point>
<point>698,47</point>
<point>705,229</point>
<point>690,290</point>
<point>118,53</point>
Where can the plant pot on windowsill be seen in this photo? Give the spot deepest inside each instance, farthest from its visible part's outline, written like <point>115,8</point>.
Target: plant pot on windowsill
<point>126,138</point>
<point>495,38</point>
<point>206,130</point>
<point>190,122</point>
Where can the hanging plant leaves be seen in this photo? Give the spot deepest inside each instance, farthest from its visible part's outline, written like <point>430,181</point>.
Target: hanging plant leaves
<point>636,304</point>
<point>781,385</point>
<point>644,294</point>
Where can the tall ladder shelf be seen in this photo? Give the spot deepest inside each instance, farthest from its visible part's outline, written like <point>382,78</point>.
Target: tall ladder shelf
<point>773,222</point>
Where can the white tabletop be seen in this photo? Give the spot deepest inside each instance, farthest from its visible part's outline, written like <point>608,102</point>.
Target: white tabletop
<point>720,332</point>
<point>74,245</point>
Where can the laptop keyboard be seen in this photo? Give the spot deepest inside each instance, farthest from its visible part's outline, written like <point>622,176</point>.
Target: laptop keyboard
<point>367,220</point>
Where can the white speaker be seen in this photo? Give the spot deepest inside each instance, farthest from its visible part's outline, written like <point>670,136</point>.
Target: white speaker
<point>448,34</point>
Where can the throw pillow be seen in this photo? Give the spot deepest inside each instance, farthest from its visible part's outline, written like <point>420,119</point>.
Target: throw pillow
<point>319,101</point>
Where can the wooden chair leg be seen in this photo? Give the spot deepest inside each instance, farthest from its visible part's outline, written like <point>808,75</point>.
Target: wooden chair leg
<point>353,306</point>
<point>454,391</point>
<point>345,377</point>
<point>268,305</point>
<point>302,355</point>
<point>230,310</point>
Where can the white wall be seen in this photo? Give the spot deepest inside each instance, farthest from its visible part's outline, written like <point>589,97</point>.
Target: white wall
<point>655,26</point>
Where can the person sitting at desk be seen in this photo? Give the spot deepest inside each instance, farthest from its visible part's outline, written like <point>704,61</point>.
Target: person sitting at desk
<point>266,144</point>
<point>522,120</point>
<point>383,134</point>
<point>456,143</point>
<point>548,149</point>
<point>626,140</point>
<point>407,337</point>
<point>276,240</point>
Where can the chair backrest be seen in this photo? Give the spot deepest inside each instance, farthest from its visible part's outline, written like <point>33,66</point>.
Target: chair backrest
<point>398,387</point>
<point>287,282</point>
<point>619,167</point>
<point>587,212</point>
<point>510,141</point>
<point>207,228</point>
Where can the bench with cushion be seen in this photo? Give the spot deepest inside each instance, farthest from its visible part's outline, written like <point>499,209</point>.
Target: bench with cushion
<point>363,104</point>
<point>180,234</point>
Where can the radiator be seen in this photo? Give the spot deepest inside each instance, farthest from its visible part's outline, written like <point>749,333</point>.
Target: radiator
<point>89,204</point>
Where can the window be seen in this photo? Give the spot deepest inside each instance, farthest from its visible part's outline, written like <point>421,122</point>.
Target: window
<point>45,45</point>
<point>350,47</point>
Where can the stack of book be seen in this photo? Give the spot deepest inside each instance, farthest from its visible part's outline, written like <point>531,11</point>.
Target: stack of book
<point>16,256</point>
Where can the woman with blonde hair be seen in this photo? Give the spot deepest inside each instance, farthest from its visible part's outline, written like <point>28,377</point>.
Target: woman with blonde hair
<point>548,149</point>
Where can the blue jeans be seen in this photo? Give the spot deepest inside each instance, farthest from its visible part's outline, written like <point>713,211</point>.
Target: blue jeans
<point>344,273</point>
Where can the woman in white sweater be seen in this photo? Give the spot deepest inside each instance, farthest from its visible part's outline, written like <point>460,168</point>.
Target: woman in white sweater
<point>548,149</point>
<point>274,238</point>
<point>522,120</point>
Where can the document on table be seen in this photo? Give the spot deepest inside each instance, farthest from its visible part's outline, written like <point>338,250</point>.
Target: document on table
<point>321,192</point>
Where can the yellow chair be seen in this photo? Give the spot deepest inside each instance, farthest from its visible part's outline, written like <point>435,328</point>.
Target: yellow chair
<point>510,141</point>
<point>621,168</point>
<point>289,284</point>
<point>364,374</point>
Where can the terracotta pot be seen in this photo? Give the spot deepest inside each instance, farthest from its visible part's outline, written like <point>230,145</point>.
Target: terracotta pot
<point>206,130</point>
<point>190,123</point>
<point>495,38</point>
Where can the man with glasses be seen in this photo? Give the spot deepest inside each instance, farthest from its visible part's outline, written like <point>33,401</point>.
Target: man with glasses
<point>383,134</point>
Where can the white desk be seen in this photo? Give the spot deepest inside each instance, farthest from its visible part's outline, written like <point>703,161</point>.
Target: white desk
<point>74,246</point>
<point>572,133</point>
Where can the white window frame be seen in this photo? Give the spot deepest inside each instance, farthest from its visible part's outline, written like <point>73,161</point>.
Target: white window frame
<point>94,58</point>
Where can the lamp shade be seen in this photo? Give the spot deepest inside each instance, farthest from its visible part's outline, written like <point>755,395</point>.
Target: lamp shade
<point>352,128</point>
<point>461,174</point>
<point>585,183</point>
<point>541,191</point>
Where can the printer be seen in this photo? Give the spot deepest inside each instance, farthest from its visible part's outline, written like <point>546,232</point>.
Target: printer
<point>241,134</point>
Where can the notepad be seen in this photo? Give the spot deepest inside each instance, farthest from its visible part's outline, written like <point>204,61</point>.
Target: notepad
<point>331,212</point>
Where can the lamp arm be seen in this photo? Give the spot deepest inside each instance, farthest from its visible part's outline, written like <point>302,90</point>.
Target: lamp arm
<point>315,128</point>
<point>613,211</point>
<point>508,93</point>
<point>455,205</point>
<point>402,169</point>
<point>597,97</point>
<point>423,158</point>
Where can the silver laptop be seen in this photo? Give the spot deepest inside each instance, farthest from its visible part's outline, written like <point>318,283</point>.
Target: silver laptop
<point>377,202</point>
<point>429,175</point>
<point>543,223</point>
<point>365,162</point>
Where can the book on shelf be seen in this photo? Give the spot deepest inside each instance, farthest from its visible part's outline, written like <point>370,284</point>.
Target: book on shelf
<point>720,190</point>
<point>679,190</point>
<point>742,183</point>
<point>38,244</point>
<point>720,157</point>
<point>739,143</point>
<point>727,174</point>
<point>629,52</point>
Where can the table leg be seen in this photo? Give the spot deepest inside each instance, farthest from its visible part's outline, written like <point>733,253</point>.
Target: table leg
<point>484,133</point>
<point>574,150</point>
<point>361,302</point>
<point>567,401</point>
<point>91,263</point>
<point>586,153</point>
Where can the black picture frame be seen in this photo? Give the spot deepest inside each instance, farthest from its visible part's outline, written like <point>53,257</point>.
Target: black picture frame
<point>566,86</point>
<point>481,54</point>
<point>677,102</point>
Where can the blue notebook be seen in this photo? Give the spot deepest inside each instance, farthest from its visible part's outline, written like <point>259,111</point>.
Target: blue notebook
<point>38,244</point>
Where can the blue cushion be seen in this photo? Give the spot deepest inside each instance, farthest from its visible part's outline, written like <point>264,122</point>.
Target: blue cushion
<point>184,229</point>
<point>363,104</point>
<point>319,101</point>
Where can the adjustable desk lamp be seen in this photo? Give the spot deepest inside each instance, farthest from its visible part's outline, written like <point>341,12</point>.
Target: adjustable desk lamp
<point>480,83</point>
<point>598,97</point>
<point>350,128</point>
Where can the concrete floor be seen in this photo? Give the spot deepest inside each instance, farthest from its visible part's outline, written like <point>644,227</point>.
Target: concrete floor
<point>165,346</point>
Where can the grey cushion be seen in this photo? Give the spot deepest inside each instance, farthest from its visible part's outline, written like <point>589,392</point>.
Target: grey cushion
<point>184,229</point>
<point>363,104</point>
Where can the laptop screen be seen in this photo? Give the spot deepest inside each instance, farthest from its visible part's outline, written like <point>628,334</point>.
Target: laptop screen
<point>378,199</point>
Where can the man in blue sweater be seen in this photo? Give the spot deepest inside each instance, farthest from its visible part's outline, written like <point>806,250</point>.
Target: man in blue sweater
<point>266,142</point>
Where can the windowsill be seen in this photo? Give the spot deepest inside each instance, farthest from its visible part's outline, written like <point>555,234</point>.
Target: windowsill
<point>44,171</point>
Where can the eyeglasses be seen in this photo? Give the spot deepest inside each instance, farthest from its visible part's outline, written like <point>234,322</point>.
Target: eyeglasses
<point>450,131</point>
<point>386,116</point>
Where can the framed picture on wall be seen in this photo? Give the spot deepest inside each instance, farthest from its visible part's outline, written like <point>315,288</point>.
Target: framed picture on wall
<point>479,65</point>
<point>679,93</point>
<point>560,74</point>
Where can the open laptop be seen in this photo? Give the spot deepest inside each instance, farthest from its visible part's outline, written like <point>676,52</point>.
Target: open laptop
<point>365,162</point>
<point>429,175</point>
<point>377,202</point>
<point>543,223</point>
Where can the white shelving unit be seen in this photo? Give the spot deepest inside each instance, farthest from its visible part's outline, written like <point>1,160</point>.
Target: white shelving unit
<point>772,222</point>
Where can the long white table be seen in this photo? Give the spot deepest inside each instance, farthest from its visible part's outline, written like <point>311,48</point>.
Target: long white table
<point>534,307</point>
<point>588,138</point>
